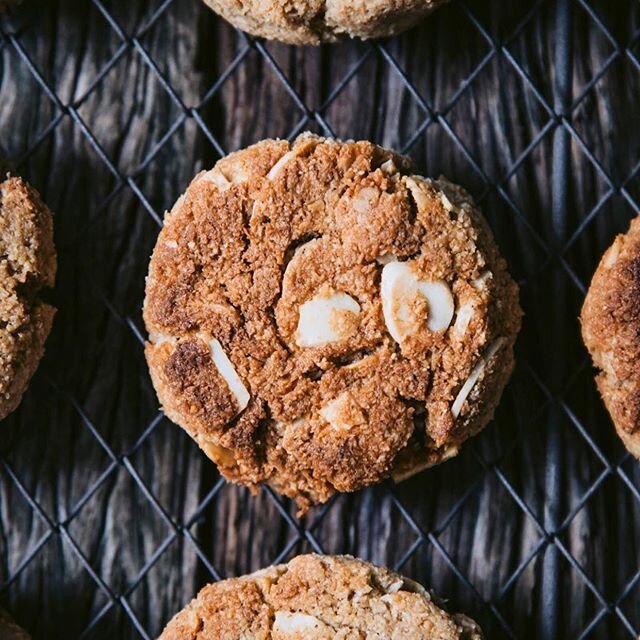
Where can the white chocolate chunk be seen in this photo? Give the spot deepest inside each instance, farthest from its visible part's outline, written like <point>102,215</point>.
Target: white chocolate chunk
<point>474,377</point>
<point>401,290</point>
<point>299,625</point>
<point>226,370</point>
<point>326,319</point>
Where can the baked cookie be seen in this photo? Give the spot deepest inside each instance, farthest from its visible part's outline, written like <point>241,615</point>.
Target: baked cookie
<point>316,21</point>
<point>611,332</point>
<point>320,318</point>
<point>318,598</point>
<point>27,265</point>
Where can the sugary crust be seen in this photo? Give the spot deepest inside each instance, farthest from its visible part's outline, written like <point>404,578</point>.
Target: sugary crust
<point>611,332</point>
<point>275,225</point>
<point>27,265</point>
<point>316,21</point>
<point>318,598</point>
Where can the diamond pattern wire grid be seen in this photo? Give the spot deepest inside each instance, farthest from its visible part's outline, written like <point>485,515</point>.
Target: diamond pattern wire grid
<point>125,186</point>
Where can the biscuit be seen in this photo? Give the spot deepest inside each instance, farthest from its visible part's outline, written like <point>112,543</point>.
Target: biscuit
<point>320,318</point>
<point>318,598</point>
<point>611,332</point>
<point>316,21</point>
<point>27,266</point>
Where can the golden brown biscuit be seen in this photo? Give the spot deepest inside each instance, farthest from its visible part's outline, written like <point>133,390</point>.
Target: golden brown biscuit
<point>611,332</point>
<point>318,598</point>
<point>320,318</point>
<point>27,265</point>
<point>316,21</point>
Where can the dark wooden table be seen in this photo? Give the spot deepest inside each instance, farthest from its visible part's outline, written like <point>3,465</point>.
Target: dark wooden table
<point>110,517</point>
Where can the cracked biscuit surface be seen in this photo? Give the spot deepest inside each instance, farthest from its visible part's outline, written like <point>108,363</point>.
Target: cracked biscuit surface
<point>316,21</point>
<point>318,598</point>
<point>611,332</point>
<point>27,265</point>
<point>320,318</point>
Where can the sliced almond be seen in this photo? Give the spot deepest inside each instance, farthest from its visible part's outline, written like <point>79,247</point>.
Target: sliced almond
<point>474,376</point>
<point>613,253</point>
<point>341,413</point>
<point>467,308</point>
<point>481,281</point>
<point>326,319</point>
<point>416,186</point>
<point>218,178</point>
<point>294,624</point>
<point>450,452</point>
<point>447,204</point>
<point>365,200</point>
<point>222,456</point>
<point>277,167</point>
<point>386,258</point>
<point>160,338</point>
<point>388,167</point>
<point>231,377</point>
<point>440,301</point>
<point>401,290</point>
<point>463,318</point>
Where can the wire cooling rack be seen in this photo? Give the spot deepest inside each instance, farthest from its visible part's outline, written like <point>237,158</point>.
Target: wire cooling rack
<point>110,517</point>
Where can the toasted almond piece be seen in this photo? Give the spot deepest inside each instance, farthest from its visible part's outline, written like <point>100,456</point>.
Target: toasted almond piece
<point>450,452</point>
<point>326,319</point>
<point>160,338</point>
<point>386,258</point>
<point>389,167</point>
<point>218,178</point>
<point>474,376</point>
<point>440,301</point>
<point>400,289</point>
<point>277,167</point>
<point>342,413</point>
<point>416,186</point>
<point>467,308</point>
<point>300,625</point>
<point>226,370</point>
<point>463,318</point>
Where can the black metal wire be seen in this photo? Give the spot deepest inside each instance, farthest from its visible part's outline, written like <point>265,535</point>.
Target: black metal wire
<point>550,545</point>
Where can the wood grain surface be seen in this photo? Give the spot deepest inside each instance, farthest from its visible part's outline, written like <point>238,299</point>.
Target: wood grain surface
<point>110,517</point>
